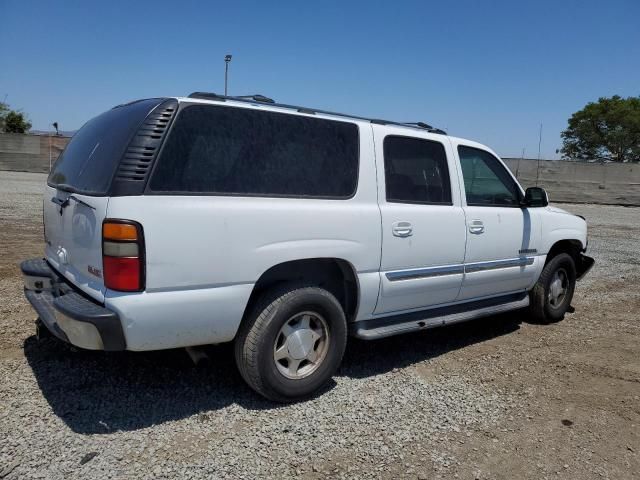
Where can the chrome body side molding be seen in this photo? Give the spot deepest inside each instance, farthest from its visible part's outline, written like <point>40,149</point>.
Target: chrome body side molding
<point>425,272</point>
<point>458,269</point>
<point>512,262</point>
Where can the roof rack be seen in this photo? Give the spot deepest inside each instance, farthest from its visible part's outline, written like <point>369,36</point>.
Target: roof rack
<point>427,127</point>
<point>258,99</point>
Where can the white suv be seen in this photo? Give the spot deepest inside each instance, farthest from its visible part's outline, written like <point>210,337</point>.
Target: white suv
<point>175,222</point>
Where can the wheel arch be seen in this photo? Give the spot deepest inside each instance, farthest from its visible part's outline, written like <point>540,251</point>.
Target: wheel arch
<point>573,247</point>
<point>336,275</point>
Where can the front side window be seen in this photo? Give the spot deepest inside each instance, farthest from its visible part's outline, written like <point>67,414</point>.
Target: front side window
<point>416,171</point>
<point>241,151</point>
<point>486,181</point>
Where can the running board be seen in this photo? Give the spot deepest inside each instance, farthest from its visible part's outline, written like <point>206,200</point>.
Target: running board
<point>436,317</point>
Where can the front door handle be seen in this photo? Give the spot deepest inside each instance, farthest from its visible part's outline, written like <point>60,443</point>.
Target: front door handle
<point>476,227</point>
<point>402,229</point>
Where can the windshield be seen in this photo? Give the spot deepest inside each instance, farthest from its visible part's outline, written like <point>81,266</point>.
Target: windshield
<point>91,158</point>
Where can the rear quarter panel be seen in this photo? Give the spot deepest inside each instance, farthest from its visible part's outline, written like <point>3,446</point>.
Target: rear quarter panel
<point>205,253</point>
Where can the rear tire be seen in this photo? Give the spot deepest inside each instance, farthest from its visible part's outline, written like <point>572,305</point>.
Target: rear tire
<point>552,294</point>
<point>292,343</point>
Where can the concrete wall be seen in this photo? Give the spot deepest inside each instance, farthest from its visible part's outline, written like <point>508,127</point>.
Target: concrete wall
<point>578,182</point>
<point>29,153</point>
<point>565,181</point>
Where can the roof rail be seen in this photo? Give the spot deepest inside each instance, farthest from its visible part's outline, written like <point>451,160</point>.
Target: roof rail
<point>420,124</point>
<point>258,99</point>
<point>426,126</point>
<point>208,96</point>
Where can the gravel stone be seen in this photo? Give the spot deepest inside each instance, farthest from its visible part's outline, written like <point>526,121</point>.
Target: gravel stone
<point>391,411</point>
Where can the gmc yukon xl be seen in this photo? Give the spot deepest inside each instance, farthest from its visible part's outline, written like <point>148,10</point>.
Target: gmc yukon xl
<point>176,222</point>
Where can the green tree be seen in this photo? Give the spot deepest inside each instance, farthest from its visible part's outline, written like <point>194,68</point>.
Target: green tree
<point>16,122</point>
<point>608,129</point>
<point>4,109</point>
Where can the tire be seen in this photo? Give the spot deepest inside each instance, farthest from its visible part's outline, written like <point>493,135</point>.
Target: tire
<point>290,326</point>
<point>546,306</point>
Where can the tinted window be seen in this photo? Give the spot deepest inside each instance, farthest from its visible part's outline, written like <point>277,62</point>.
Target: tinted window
<point>92,156</point>
<point>486,181</point>
<point>242,151</point>
<point>416,171</point>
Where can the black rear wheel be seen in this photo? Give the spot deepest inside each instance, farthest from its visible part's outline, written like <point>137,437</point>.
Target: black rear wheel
<point>292,343</point>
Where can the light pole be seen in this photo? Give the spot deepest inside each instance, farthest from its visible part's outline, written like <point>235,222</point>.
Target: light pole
<point>539,144</point>
<point>55,125</point>
<point>227,60</point>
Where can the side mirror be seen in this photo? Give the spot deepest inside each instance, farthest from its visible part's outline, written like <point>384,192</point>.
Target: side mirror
<point>535,197</point>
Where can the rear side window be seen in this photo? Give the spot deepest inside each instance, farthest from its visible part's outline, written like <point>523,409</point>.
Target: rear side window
<point>486,181</point>
<point>226,150</point>
<point>92,156</point>
<point>416,171</point>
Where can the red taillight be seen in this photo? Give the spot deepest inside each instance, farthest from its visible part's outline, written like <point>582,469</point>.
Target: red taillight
<point>123,255</point>
<point>122,273</point>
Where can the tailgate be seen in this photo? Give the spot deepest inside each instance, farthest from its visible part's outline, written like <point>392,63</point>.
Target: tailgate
<point>73,235</point>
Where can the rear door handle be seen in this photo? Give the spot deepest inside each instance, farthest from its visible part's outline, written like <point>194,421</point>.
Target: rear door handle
<point>402,229</point>
<point>476,227</point>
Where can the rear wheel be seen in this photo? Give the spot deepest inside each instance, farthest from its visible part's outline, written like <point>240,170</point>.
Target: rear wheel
<point>552,294</point>
<point>292,343</point>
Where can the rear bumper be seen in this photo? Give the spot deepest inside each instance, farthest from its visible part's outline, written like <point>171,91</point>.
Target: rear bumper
<point>68,315</point>
<point>583,265</point>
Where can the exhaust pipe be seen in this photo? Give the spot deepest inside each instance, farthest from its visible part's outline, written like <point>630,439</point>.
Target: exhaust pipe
<point>198,356</point>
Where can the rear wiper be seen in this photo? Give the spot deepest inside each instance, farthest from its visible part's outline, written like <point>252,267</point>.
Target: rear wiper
<point>65,187</point>
<point>63,203</point>
<point>60,202</point>
<point>81,202</point>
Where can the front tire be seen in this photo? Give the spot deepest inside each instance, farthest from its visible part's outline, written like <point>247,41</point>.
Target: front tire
<point>552,294</point>
<point>292,343</point>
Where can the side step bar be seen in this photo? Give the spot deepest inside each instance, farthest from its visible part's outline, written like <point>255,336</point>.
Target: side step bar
<point>436,317</point>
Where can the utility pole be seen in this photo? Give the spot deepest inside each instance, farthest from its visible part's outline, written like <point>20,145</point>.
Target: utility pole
<point>227,60</point>
<point>539,144</point>
<point>55,125</point>
<point>519,160</point>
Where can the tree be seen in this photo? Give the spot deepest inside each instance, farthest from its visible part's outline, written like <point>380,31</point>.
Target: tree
<point>13,121</point>
<point>4,109</point>
<point>16,122</point>
<point>608,129</point>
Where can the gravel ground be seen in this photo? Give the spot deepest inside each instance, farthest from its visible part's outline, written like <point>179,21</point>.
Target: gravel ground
<point>496,398</point>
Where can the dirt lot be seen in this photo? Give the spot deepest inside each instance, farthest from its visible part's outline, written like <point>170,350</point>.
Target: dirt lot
<point>498,398</point>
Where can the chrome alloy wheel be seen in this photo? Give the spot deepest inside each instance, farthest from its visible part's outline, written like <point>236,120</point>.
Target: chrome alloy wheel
<point>301,345</point>
<point>558,287</point>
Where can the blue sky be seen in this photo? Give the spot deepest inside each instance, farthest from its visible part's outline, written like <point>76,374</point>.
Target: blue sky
<point>490,71</point>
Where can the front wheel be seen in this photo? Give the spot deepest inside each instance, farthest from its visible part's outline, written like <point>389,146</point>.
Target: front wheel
<point>551,296</point>
<point>293,342</point>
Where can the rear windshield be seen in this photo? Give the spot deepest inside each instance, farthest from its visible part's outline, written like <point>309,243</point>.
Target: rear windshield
<point>240,151</point>
<point>91,158</point>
